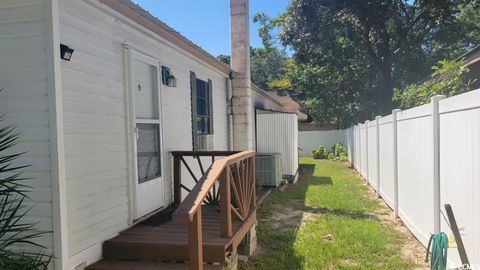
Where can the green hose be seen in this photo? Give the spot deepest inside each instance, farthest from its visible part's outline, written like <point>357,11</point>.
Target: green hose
<point>439,244</point>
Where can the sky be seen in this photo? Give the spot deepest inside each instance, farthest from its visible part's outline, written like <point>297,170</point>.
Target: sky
<point>206,22</point>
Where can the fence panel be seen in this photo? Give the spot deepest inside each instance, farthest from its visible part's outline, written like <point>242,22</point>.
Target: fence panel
<point>363,151</point>
<point>356,148</point>
<point>386,160</point>
<point>372,154</point>
<point>349,143</point>
<point>415,171</point>
<point>309,140</point>
<point>459,167</point>
<point>459,163</point>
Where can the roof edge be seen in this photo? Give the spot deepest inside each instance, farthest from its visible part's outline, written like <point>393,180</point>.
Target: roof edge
<point>262,92</point>
<point>139,15</point>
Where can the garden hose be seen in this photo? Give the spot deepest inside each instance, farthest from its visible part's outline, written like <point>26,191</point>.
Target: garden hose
<point>439,244</point>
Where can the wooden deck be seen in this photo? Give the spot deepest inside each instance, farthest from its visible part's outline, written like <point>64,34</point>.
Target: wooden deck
<point>208,224</point>
<point>140,246</point>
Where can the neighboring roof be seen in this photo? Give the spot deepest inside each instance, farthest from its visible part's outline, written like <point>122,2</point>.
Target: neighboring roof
<point>139,15</point>
<point>471,56</point>
<point>290,105</point>
<point>264,94</point>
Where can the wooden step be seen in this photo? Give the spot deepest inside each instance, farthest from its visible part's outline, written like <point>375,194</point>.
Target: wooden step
<point>145,265</point>
<point>168,242</point>
<point>143,249</point>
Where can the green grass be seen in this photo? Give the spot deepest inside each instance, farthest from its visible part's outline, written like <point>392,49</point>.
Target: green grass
<point>340,232</point>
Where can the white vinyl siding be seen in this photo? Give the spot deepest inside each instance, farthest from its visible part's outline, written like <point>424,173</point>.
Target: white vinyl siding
<point>95,120</point>
<point>25,102</point>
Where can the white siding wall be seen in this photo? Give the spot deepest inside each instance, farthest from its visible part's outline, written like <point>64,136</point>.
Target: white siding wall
<point>25,99</point>
<point>95,120</point>
<point>278,133</point>
<point>260,102</point>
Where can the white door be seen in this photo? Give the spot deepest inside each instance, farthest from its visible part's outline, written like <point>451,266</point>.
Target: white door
<point>147,134</point>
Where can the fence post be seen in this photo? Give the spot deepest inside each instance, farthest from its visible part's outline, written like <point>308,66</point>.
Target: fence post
<point>377,126</point>
<point>395,161</point>
<point>436,161</point>
<point>367,174</point>
<point>359,169</point>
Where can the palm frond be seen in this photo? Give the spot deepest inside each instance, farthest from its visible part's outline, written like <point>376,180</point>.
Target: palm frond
<point>14,231</point>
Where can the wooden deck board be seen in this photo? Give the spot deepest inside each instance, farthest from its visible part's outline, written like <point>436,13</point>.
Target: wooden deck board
<point>139,265</point>
<point>169,241</point>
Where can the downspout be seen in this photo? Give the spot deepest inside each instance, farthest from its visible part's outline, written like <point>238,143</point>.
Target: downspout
<point>228,83</point>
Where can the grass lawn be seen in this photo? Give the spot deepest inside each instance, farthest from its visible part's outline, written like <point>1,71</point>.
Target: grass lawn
<point>325,221</point>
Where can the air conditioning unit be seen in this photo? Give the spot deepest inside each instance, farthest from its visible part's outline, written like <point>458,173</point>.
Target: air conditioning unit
<point>205,142</point>
<point>268,169</point>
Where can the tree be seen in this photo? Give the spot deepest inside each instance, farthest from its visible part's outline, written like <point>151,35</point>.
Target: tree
<point>392,38</point>
<point>449,78</point>
<point>224,59</point>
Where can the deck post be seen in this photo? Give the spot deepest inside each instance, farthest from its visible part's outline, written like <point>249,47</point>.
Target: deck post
<point>177,174</point>
<point>254,176</point>
<point>195,246</point>
<point>225,204</point>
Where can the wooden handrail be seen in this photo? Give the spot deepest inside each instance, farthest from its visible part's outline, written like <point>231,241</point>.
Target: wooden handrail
<point>194,200</point>
<point>236,175</point>
<point>204,153</point>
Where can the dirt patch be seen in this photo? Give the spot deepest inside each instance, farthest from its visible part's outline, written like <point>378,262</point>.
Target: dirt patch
<point>291,217</point>
<point>412,249</point>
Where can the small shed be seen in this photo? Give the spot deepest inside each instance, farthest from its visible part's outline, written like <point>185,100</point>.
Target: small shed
<point>277,132</point>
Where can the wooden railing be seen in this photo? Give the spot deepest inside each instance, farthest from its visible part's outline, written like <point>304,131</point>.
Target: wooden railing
<point>235,174</point>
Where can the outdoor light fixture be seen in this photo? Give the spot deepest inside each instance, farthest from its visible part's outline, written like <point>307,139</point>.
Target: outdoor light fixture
<point>167,78</point>
<point>66,52</point>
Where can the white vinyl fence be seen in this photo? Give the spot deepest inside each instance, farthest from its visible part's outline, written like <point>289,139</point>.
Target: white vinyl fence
<point>423,158</point>
<point>309,140</point>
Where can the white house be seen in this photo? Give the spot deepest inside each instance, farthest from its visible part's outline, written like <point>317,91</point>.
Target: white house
<point>133,87</point>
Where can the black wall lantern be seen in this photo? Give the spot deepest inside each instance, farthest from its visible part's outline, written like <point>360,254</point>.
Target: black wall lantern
<point>66,52</point>
<point>167,78</point>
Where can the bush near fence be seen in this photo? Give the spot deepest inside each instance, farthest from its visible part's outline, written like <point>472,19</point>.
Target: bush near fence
<point>422,158</point>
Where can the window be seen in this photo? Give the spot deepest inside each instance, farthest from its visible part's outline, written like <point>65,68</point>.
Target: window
<point>148,152</point>
<point>202,113</point>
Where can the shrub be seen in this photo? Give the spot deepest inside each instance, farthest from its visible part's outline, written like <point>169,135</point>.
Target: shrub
<point>340,152</point>
<point>320,153</point>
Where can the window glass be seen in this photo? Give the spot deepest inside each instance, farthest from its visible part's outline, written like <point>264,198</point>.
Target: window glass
<point>148,152</point>
<point>203,111</point>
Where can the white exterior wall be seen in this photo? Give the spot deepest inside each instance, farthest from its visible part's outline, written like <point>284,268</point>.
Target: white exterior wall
<point>278,133</point>
<point>25,44</point>
<point>310,140</point>
<point>260,102</point>
<point>96,118</point>
<point>459,156</point>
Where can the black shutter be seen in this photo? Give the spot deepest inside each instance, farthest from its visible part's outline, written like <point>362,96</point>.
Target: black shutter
<point>210,106</point>
<point>193,90</point>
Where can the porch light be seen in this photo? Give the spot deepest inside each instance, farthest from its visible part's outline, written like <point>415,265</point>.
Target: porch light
<point>66,52</point>
<point>167,78</point>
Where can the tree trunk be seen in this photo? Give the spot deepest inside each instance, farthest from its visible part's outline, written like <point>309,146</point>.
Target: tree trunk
<point>385,102</point>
